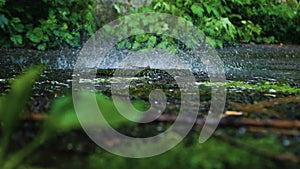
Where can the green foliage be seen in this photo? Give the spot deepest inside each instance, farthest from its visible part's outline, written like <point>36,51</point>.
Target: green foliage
<point>278,22</point>
<point>20,92</point>
<point>11,106</point>
<point>63,117</point>
<point>151,36</point>
<point>213,154</point>
<point>45,24</point>
<point>233,21</point>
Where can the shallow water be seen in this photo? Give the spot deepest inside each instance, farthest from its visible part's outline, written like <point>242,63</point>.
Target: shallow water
<point>247,63</point>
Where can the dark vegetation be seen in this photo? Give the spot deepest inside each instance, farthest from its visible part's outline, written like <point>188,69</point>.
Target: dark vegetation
<point>52,24</point>
<point>46,23</point>
<point>234,21</point>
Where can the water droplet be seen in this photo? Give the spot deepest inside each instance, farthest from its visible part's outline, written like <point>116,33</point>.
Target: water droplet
<point>286,142</point>
<point>242,130</point>
<point>70,146</point>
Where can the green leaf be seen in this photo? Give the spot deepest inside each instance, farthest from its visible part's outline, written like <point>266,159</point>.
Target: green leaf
<point>19,27</point>
<point>2,2</point>
<point>162,45</point>
<point>13,103</point>
<point>42,46</point>
<point>3,21</point>
<point>117,8</point>
<point>63,116</point>
<point>20,91</point>
<point>17,39</point>
<point>157,5</point>
<point>141,38</point>
<point>16,20</point>
<point>36,35</point>
<point>207,7</point>
<point>124,44</point>
<point>151,42</point>
<point>136,46</point>
<point>216,12</point>
<point>112,115</point>
<point>197,9</point>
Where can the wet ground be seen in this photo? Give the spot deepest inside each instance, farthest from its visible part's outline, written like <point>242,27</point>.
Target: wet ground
<point>263,72</point>
<point>241,63</point>
<point>246,63</point>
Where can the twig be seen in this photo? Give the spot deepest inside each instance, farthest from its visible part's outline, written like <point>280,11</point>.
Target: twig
<point>34,116</point>
<point>261,106</point>
<point>226,122</point>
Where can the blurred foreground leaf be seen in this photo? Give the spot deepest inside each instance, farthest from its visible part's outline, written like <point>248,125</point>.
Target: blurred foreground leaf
<point>63,116</point>
<point>13,103</point>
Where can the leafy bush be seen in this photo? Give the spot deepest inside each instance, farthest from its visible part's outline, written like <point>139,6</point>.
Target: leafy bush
<point>50,24</point>
<point>281,21</point>
<point>45,24</point>
<point>224,21</point>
